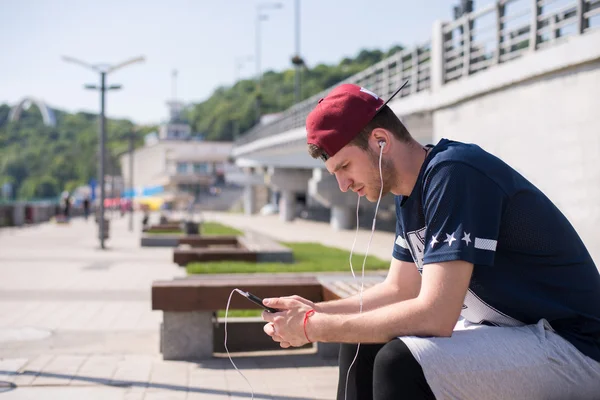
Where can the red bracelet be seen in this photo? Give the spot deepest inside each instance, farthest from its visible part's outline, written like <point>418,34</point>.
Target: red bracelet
<point>306,316</point>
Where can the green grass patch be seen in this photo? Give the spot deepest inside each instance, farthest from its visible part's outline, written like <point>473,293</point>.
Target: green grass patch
<point>214,228</point>
<point>309,257</point>
<point>240,313</point>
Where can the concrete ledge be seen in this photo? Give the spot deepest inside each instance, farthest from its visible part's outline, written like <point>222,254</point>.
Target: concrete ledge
<point>266,249</point>
<point>194,241</point>
<point>160,240</point>
<point>252,247</point>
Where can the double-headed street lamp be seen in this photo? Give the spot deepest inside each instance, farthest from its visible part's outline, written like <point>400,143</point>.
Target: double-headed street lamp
<point>103,69</point>
<point>261,16</point>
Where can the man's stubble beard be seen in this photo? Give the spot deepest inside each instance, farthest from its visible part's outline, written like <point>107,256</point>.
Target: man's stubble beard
<point>374,184</point>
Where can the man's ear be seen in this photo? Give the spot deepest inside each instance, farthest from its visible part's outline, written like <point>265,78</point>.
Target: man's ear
<point>380,139</point>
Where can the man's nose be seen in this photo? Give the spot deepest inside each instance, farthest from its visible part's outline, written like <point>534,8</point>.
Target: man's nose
<point>343,183</point>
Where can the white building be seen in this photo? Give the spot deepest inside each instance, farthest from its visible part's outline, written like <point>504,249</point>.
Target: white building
<point>174,166</point>
<point>177,171</point>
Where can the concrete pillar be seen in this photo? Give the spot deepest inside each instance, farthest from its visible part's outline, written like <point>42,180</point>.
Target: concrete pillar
<point>19,214</point>
<point>437,56</point>
<point>35,214</point>
<point>254,181</point>
<point>289,181</point>
<point>287,206</point>
<point>249,200</point>
<point>343,217</point>
<point>324,188</point>
<point>187,335</point>
<point>274,196</point>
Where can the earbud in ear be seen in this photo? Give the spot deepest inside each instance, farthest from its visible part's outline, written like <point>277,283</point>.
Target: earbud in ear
<point>381,143</point>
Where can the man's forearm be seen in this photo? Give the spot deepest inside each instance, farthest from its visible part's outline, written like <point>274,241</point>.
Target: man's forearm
<point>374,297</point>
<point>380,325</point>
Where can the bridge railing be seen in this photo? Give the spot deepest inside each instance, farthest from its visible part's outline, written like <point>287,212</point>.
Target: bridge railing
<point>509,29</point>
<point>495,34</point>
<point>382,78</point>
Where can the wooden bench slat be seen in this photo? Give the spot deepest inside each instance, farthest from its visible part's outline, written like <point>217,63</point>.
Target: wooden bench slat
<point>212,294</point>
<point>338,287</point>
<point>201,281</point>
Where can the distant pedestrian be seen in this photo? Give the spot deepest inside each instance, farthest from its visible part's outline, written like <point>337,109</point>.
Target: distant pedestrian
<point>67,206</point>
<point>86,208</point>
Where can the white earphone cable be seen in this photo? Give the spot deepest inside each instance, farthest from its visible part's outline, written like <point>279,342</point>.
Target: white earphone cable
<point>362,284</point>
<point>353,275</point>
<point>226,349</point>
<point>355,236</point>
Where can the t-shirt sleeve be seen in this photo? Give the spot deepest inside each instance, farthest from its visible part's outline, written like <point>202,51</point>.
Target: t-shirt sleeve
<point>463,209</point>
<point>401,251</point>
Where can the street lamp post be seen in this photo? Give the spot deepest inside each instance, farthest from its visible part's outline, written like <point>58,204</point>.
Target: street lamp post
<point>239,63</point>
<point>297,60</point>
<point>261,17</point>
<point>131,187</point>
<point>103,69</point>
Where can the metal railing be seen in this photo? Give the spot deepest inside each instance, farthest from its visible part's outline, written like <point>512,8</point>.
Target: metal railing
<point>510,28</point>
<point>382,78</point>
<point>475,42</point>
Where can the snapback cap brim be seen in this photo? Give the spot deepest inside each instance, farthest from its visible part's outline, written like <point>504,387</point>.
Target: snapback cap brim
<point>392,96</point>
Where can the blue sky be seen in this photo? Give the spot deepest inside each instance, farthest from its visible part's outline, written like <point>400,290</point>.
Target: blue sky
<point>199,38</point>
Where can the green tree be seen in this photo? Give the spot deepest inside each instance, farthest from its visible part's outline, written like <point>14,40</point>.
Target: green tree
<point>42,161</point>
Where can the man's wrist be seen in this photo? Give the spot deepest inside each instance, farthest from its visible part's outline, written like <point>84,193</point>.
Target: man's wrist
<point>319,327</point>
<point>318,307</point>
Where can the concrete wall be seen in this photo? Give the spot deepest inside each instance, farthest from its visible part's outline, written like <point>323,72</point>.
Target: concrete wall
<point>420,126</point>
<point>148,163</point>
<point>548,128</point>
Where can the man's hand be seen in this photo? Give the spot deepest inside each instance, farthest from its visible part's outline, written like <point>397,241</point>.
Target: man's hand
<point>287,326</point>
<point>303,301</point>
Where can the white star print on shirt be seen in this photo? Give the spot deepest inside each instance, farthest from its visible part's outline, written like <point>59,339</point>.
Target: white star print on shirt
<point>466,238</point>
<point>433,241</point>
<point>449,239</point>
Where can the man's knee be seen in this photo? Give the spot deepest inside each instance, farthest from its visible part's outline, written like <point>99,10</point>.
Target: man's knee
<point>396,357</point>
<point>396,372</point>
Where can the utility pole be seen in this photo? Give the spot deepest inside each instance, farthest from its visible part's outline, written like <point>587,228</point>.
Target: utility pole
<point>297,60</point>
<point>261,17</point>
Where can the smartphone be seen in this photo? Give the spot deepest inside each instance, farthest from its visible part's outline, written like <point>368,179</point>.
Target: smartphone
<point>257,300</point>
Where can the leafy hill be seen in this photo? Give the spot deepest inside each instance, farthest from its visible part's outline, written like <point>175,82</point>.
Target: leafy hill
<point>43,161</point>
<point>217,116</point>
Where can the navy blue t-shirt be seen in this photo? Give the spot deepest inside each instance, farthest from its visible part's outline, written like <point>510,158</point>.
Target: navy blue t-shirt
<point>529,263</point>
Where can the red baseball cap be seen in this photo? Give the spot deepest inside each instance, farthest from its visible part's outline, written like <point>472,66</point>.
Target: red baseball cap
<point>341,115</point>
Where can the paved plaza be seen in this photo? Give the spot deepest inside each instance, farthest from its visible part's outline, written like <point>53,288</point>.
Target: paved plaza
<point>76,322</point>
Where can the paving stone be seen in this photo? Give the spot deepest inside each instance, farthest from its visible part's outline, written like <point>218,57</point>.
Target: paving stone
<point>104,342</point>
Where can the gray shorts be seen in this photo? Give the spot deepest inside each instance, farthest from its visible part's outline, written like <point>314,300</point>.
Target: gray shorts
<point>487,363</point>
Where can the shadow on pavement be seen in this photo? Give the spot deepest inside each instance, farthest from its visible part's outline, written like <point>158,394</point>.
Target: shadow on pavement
<point>128,384</point>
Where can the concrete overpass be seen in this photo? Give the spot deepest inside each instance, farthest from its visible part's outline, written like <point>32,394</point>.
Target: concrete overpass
<point>519,77</point>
